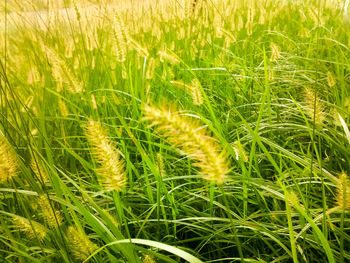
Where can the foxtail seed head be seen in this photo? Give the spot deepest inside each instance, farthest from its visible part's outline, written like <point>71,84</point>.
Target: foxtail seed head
<point>192,139</point>
<point>148,259</point>
<point>112,168</point>
<point>31,228</point>
<point>52,216</point>
<point>314,106</point>
<point>80,245</point>
<point>8,161</point>
<point>343,192</point>
<point>39,169</point>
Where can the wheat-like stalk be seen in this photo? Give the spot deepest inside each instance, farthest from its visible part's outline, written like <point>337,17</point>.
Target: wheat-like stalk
<point>192,139</point>
<point>80,245</point>
<point>31,228</point>
<point>8,162</point>
<point>112,168</point>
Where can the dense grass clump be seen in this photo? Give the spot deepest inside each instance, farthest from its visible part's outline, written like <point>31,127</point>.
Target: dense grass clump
<point>113,112</point>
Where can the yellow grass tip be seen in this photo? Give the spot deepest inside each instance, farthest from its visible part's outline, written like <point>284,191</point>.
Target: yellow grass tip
<point>8,162</point>
<point>343,192</point>
<point>80,245</point>
<point>192,139</point>
<point>314,106</point>
<point>52,216</point>
<point>31,228</point>
<point>112,168</point>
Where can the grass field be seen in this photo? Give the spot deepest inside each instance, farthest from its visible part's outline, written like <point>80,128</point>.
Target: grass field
<point>175,131</point>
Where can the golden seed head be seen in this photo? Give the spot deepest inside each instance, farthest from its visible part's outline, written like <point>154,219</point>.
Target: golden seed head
<point>143,52</point>
<point>39,170</point>
<point>79,243</point>
<point>194,89</point>
<point>61,71</point>
<point>160,163</point>
<point>331,81</point>
<point>240,152</point>
<point>151,68</point>
<point>164,56</point>
<point>192,139</point>
<point>343,192</point>
<point>93,102</point>
<point>31,228</point>
<point>8,162</point>
<point>33,76</point>
<point>63,108</point>
<point>120,39</point>
<point>314,106</point>
<point>196,92</point>
<point>112,168</point>
<point>52,216</point>
<point>275,52</point>
<point>292,198</point>
<point>148,259</point>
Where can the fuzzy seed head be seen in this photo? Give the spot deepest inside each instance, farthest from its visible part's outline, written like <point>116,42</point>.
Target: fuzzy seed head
<point>39,169</point>
<point>331,81</point>
<point>31,228</point>
<point>61,71</point>
<point>151,68</point>
<point>164,56</point>
<point>80,245</point>
<point>63,108</point>
<point>112,168</point>
<point>194,89</point>
<point>275,52</point>
<point>292,198</point>
<point>120,39</point>
<point>52,216</point>
<point>93,102</point>
<point>314,106</point>
<point>343,192</point>
<point>143,52</point>
<point>240,152</point>
<point>192,139</point>
<point>160,163</point>
<point>148,259</point>
<point>8,162</point>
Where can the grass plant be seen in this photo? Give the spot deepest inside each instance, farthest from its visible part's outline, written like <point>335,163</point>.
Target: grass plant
<point>113,112</point>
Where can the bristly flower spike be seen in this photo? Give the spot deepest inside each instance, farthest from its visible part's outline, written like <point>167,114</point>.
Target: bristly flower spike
<point>192,139</point>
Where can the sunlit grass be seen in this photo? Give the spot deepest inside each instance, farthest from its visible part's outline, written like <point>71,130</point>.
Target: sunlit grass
<point>113,112</point>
